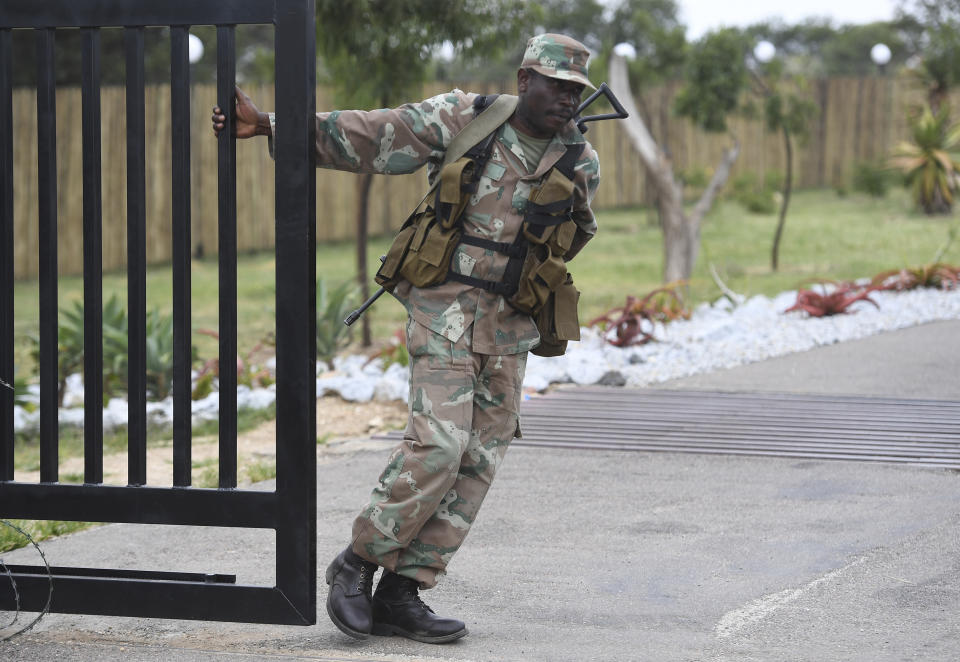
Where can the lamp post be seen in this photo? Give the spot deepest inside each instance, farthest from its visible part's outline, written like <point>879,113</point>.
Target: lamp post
<point>195,48</point>
<point>880,54</point>
<point>764,51</point>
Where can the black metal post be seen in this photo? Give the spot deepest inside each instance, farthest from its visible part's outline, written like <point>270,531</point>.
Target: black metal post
<point>296,304</point>
<point>180,123</point>
<point>6,255</point>
<point>47,205</point>
<point>92,261</point>
<point>227,187</point>
<point>136,262</point>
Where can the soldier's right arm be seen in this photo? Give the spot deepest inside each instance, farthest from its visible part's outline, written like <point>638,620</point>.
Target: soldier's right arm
<point>248,120</point>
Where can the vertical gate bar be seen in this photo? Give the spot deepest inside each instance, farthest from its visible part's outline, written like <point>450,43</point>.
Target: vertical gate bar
<point>227,211</point>
<point>47,208</point>
<point>92,262</point>
<point>180,135</point>
<point>6,255</point>
<point>296,304</point>
<point>136,261</point>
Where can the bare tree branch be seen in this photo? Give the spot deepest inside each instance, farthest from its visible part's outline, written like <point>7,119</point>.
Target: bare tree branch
<point>717,181</point>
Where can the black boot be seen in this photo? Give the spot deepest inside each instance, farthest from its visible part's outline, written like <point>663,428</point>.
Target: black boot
<point>398,609</point>
<point>348,601</point>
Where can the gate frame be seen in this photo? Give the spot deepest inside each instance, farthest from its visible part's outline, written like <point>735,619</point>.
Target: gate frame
<point>291,508</point>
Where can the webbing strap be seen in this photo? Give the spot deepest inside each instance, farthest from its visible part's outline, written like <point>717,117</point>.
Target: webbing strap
<point>546,219</point>
<point>507,248</point>
<point>550,207</point>
<point>495,286</point>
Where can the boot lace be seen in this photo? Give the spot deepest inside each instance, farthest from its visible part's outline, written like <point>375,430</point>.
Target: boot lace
<point>365,581</point>
<point>413,594</point>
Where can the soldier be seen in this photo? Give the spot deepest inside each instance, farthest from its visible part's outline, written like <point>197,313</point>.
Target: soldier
<point>468,346</point>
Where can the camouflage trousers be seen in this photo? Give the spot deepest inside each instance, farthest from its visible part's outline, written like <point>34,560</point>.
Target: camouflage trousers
<point>463,416</point>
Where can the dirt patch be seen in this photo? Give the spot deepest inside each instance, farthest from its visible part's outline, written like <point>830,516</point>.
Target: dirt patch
<point>337,421</point>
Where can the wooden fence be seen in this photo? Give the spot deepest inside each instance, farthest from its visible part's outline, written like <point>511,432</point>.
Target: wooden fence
<point>859,119</point>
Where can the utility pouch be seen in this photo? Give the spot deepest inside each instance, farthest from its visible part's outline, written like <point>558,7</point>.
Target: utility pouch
<point>427,260</point>
<point>530,294</point>
<point>388,275</point>
<point>453,191</point>
<point>561,239</point>
<point>541,274</point>
<point>557,320</point>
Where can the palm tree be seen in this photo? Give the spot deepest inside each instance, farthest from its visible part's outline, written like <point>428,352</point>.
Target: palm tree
<point>931,162</point>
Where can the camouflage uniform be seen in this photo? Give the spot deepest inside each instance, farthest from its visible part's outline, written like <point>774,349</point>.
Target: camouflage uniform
<point>467,346</point>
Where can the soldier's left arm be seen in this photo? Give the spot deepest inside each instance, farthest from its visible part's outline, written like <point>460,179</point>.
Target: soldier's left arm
<point>585,182</point>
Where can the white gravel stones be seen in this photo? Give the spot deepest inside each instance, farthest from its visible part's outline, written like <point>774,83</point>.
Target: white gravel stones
<point>718,335</point>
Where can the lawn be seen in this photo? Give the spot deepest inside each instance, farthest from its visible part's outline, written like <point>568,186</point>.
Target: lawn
<point>826,236</point>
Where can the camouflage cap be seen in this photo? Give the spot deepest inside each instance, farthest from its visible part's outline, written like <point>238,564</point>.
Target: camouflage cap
<point>557,56</point>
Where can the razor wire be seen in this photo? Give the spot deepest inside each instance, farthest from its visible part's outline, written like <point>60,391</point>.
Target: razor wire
<point>16,591</point>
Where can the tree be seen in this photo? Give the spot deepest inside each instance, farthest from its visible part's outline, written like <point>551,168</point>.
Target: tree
<point>376,53</point>
<point>938,43</point>
<point>787,108</point>
<point>681,231</point>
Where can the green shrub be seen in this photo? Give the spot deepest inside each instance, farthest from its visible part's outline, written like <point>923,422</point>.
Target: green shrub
<point>261,470</point>
<point>69,346</point>
<point>930,161</point>
<point>871,178</point>
<point>332,307</point>
<point>756,196</point>
<point>159,346</point>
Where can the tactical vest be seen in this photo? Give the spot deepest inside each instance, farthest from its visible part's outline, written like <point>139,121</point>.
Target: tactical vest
<point>535,281</point>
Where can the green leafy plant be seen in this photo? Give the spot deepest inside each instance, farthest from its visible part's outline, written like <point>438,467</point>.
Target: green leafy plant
<point>333,305</point>
<point>833,299</point>
<point>20,388</point>
<point>69,346</point>
<point>931,161</point>
<point>159,350</point>
<point>633,322</point>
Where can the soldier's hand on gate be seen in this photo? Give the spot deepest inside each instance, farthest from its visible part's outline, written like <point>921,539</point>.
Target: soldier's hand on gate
<point>248,120</point>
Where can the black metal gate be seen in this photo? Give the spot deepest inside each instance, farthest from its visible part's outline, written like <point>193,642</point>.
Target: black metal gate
<point>291,509</point>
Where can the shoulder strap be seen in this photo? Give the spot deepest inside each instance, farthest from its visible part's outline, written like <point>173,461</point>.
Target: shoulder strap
<point>481,126</point>
<point>486,121</point>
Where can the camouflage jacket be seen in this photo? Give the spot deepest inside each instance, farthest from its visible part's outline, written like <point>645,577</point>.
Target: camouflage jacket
<point>402,140</point>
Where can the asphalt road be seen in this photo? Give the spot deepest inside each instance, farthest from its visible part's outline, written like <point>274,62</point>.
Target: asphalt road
<point>586,555</point>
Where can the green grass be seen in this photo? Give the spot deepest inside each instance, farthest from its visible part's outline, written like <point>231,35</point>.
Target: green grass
<point>39,530</point>
<point>261,470</point>
<point>826,236</point>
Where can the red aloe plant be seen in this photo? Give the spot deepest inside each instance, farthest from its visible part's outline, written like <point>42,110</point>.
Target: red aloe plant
<point>635,319</point>
<point>940,275</point>
<point>838,301</point>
